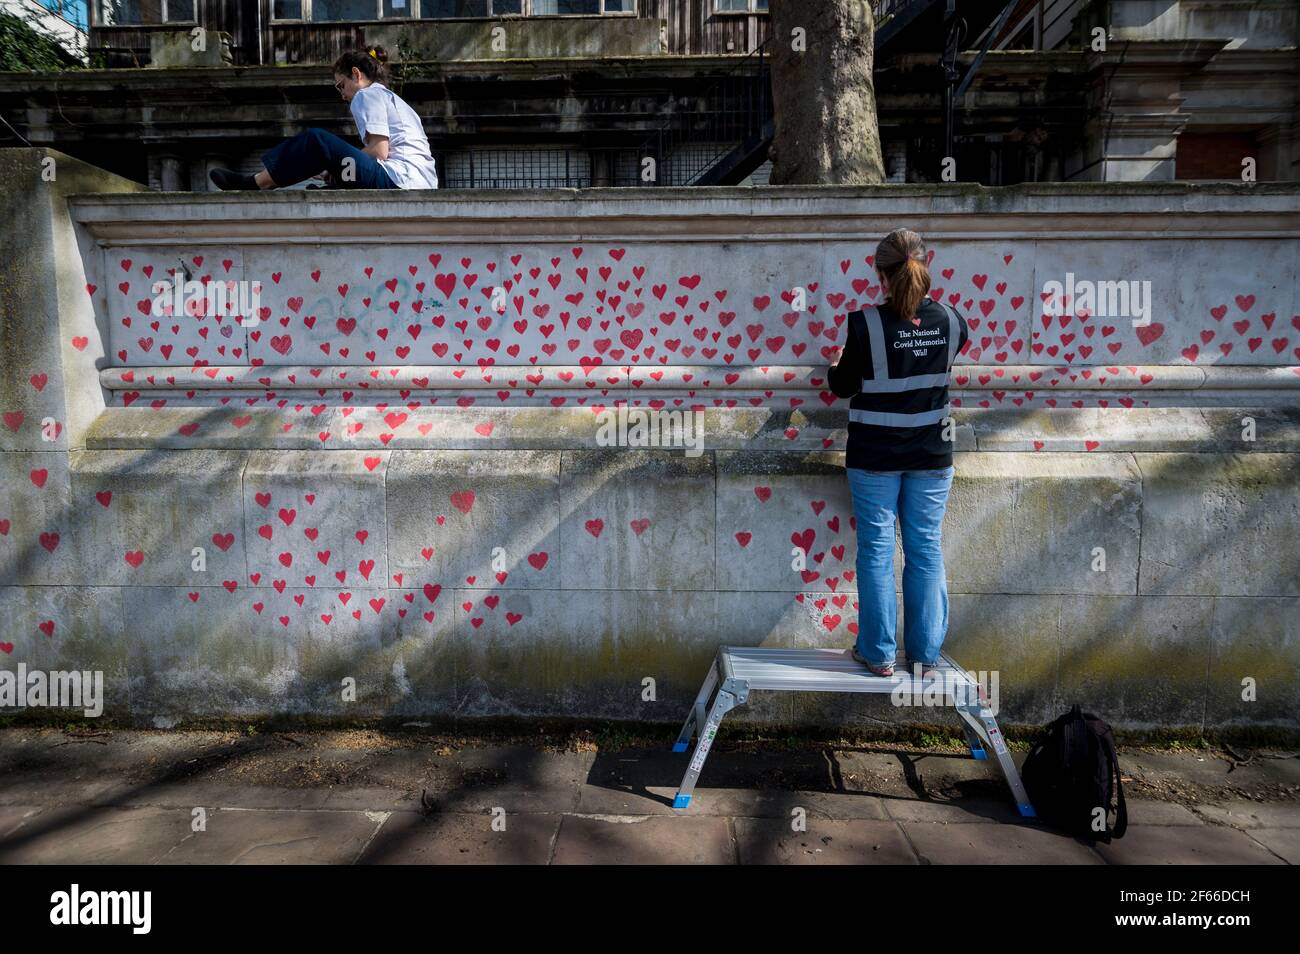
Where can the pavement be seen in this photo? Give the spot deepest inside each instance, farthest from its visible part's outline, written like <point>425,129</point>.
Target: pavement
<point>401,797</point>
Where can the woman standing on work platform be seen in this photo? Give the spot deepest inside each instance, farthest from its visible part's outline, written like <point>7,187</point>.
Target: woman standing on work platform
<point>396,153</point>
<point>894,367</point>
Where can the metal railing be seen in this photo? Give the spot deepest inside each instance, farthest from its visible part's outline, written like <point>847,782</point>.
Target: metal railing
<point>707,135</point>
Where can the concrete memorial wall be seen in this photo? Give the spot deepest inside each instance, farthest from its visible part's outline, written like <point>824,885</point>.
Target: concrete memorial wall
<point>408,448</point>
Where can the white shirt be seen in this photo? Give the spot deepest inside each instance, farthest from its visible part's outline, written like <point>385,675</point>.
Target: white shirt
<point>379,111</point>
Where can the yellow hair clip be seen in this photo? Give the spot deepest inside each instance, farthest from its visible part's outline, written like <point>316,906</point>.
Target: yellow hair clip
<point>372,53</point>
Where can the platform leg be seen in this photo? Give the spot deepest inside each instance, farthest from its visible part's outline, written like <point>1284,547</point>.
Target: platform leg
<point>723,703</point>
<point>974,741</point>
<point>696,718</point>
<point>954,692</point>
<point>980,720</point>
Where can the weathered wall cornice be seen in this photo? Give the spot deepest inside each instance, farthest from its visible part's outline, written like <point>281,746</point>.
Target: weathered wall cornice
<point>1125,211</point>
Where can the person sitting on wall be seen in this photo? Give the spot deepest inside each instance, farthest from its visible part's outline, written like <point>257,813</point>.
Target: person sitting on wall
<point>396,153</point>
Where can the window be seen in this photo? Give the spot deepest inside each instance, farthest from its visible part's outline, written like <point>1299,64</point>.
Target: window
<point>335,11</point>
<point>355,10</point>
<point>1213,155</point>
<point>551,8</point>
<point>345,10</point>
<point>536,8</point>
<point>740,6</point>
<point>455,8</point>
<point>136,12</point>
<point>545,167</point>
<point>74,11</point>
<point>547,8</point>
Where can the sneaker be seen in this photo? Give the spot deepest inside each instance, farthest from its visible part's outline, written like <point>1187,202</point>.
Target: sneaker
<point>886,670</point>
<point>227,180</point>
<point>927,669</point>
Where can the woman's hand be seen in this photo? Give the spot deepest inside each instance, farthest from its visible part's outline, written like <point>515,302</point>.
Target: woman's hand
<point>839,353</point>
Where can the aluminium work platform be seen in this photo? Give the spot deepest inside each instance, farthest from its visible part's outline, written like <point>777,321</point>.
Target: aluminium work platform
<point>737,670</point>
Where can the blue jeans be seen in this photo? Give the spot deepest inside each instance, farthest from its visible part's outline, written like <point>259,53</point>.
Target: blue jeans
<point>313,151</point>
<point>917,499</point>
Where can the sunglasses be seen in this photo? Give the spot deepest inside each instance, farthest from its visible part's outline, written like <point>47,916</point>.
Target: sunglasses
<point>339,85</point>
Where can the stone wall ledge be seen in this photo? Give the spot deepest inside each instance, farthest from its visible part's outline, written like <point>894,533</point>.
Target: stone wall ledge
<point>1193,524</point>
<point>419,379</point>
<point>322,426</point>
<point>1134,210</point>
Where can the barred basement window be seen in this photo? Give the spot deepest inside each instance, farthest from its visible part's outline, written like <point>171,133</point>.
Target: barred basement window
<point>684,164</point>
<point>626,169</point>
<point>543,168</point>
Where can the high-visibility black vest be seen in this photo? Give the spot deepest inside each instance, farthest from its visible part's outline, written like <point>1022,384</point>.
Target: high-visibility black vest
<point>896,420</point>
<point>922,372</point>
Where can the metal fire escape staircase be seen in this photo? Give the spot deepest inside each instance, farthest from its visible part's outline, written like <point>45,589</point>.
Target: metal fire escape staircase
<point>722,135</point>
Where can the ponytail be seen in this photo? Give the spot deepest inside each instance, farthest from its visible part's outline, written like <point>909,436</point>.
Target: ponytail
<point>901,258</point>
<point>370,61</point>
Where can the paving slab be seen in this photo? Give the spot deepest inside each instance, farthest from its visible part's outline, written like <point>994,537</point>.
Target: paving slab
<point>1283,842</point>
<point>643,840</point>
<point>735,802</point>
<point>517,779</point>
<point>234,836</point>
<point>374,798</point>
<point>963,812</point>
<point>41,788</point>
<point>993,844</point>
<point>463,838</point>
<point>299,796</point>
<point>1148,811</point>
<point>866,842</point>
<point>923,775</point>
<point>1244,814</point>
<point>89,836</point>
<point>14,817</point>
<point>1276,772</point>
<point>1168,845</point>
<point>206,793</point>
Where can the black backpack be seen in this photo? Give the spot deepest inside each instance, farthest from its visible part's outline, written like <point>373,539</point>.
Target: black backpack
<point>1071,771</point>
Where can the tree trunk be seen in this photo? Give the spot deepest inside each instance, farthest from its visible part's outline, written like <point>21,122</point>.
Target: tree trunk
<point>823,95</point>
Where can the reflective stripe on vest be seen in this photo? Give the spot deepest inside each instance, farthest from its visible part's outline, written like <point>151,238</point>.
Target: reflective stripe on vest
<point>882,419</point>
<point>881,383</point>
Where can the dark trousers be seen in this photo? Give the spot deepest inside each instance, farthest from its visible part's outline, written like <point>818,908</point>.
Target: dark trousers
<point>314,151</point>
